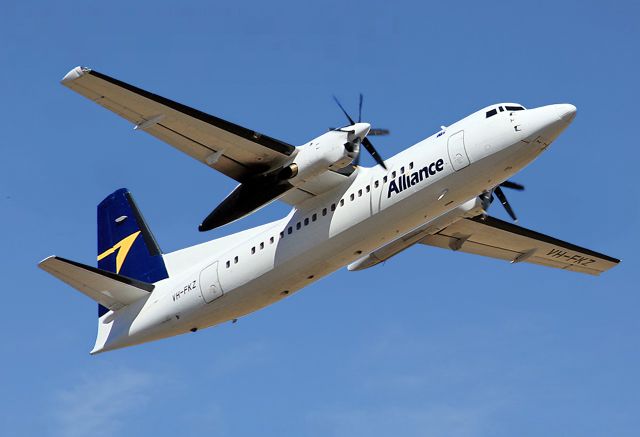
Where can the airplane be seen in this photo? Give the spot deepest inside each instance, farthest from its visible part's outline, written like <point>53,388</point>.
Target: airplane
<point>434,193</point>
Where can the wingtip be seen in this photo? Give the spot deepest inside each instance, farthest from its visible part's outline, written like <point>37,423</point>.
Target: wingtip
<point>74,74</point>
<point>41,263</point>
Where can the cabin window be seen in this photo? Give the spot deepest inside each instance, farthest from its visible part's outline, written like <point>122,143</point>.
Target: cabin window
<point>360,193</point>
<point>341,202</point>
<point>290,230</point>
<point>306,221</point>
<point>271,240</point>
<point>402,170</point>
<point>324,211</point>
<point>393,174</point>
<point>298,225</point>
<point>353,196</point>
<point>376,184</point>
<point>282,234</point>
<point>411,165</point>
<point>333,207</point>
<point>368,188</point>
<point>235,260</point>
<point>228,264</point>
<point>261,245</point>
<point>314,217</point>
<point>384,180</point>
<point>253,250</point>
<point>491,113</point>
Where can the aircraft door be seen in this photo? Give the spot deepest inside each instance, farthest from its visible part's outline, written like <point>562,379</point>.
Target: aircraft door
<point>210,283</point>
<point>457,152</point>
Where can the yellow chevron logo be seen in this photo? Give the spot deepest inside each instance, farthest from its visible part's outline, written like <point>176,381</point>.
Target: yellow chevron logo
<point>123,246</point>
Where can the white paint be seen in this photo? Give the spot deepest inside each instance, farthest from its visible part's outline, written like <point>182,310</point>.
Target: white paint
<point>359,220</point>
<point>364,220</point>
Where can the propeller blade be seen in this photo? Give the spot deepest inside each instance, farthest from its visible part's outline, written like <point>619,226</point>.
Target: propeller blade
<point>365,141</point>
<point>512,185</point>
<point>378,132</point>
<point>372,133</point>
<point>344,111</point>
<point>503,199</point>
<point>373,152</point>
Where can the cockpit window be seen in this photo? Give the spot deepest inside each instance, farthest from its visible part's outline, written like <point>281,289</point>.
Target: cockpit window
<point>491,113</point>
<point>514,108</point>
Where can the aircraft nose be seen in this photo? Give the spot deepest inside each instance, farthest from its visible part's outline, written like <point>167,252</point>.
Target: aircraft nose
<point>566,112</point>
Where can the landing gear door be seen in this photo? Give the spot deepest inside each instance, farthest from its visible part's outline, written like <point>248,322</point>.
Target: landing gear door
<point>210,283</point>
<point>457,152</point>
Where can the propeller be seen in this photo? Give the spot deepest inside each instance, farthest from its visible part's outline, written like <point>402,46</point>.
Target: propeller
<point>365,141</point>
<point>503,198</point>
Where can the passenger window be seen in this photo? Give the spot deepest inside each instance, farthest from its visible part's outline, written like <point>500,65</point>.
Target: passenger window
<point>282,234</point>
<point>393,174</point>
<point>306,221</point>
<point>290,230</point>
<point>411,165</point>
<point>353,196</point>
<point>298,225</point>
<point>314,217</point>
<point>384,180</point>
<point>492,113</point>
<point>235,260</point>
<point>253,250</point>
<point>341,202</point>
<point>360,193</point>
<point>368,188</point>
<point>228,264</point>
<point>271,240</point>
<point>261,245</point>
<point>324,211</point>
<point>333,207</point>
<point>402,170</point>
<point>376,184</point>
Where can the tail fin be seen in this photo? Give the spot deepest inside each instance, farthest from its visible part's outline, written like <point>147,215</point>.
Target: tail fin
<point>126,246</point>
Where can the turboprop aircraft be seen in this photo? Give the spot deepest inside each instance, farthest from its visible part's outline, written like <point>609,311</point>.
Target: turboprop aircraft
<point>434,193</point>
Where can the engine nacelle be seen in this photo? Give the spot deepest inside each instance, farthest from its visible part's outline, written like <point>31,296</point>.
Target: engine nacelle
<point>332,151</point>
<point>316,158</point>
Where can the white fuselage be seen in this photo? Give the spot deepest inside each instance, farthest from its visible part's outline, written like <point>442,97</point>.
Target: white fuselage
<point>230,277</point>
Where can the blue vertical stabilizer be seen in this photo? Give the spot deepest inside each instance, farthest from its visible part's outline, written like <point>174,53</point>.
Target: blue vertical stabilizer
<point>126,246</point>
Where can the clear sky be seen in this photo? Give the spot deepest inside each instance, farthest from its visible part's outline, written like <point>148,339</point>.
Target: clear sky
<point>430,344</point>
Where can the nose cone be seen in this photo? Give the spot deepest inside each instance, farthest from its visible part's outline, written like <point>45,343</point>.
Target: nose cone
<point>566,112</point>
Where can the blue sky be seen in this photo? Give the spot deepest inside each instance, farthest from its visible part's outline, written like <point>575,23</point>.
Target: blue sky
<point>431,343</point>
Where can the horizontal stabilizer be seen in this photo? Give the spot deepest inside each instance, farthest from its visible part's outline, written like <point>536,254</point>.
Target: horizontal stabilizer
<point>108,289</point>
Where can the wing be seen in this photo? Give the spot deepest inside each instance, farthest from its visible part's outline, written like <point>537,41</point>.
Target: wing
<point>496,238</point>
<point>238,152</point>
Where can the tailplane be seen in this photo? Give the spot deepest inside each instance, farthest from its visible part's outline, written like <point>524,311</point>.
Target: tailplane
<point>129,263</point>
